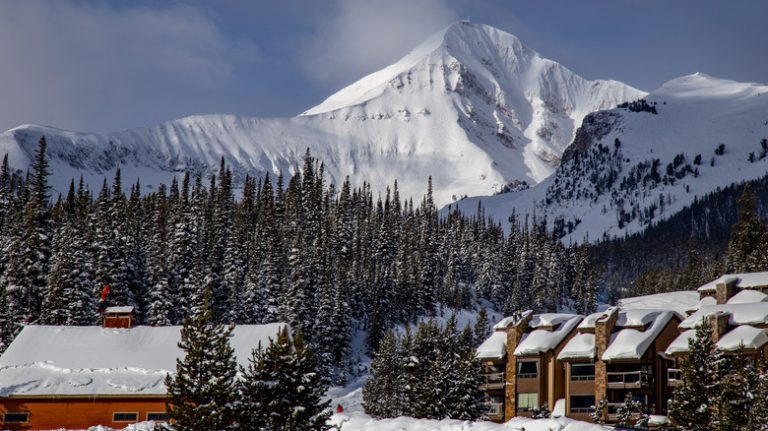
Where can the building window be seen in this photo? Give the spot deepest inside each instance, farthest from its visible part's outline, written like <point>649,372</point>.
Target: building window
<point>16,417</point>
<point>527,370</point>
<point>582,371</point>
<point>125,417</point>
<point>527,402</point>
<point>582,403</point>
<point>157,416</point>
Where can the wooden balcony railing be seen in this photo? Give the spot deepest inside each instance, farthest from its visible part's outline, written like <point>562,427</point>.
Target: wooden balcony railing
<point>674,376</point>
<point>629,379</point>
<point>493,381</point>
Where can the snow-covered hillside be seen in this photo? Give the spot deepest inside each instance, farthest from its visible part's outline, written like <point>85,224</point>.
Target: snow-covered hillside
<point>633,166</point>
<point>471,106</point>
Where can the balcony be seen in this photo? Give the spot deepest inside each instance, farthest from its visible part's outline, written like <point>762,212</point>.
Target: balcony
<point>494,410</point>
<point>674,376</point>
<point>629,380</point>
<point>493,381</point>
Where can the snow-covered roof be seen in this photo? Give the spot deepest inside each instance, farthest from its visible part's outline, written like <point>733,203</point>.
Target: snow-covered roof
<point>510,320</point>
<point>119,310</point>
<point>678,301</point>
<point>91,361</point>
<point>745,336</point>
<point>680,344</point>
<point>747,296</point>
<point>741,337</point>
<point>745,280</point>
<point>582,346</point>
<point>548,319</point>
<point>636,317</point>
<point>755,313</point>
<point>543,340</point>
<point>589,321</point>
<point>495,347</point>
<point>630,343</point>
<point>704,302</point>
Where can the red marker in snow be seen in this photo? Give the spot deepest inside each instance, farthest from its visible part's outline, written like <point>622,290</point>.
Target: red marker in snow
<point>339,408</point>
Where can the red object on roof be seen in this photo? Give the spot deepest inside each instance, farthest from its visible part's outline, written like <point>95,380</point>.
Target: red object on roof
<point>104,292</point>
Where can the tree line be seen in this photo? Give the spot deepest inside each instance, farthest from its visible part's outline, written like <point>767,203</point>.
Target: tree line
<point>326,259</point>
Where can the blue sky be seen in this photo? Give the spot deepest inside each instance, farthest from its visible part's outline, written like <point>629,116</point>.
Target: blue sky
<point>99,65</point>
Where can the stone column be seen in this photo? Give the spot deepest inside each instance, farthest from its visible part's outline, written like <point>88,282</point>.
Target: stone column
<point>515,333</point>
<point>603,329</point>
<point>718,324</point>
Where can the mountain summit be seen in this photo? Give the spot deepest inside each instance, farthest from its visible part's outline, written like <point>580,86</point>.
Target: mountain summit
<point>472,107</point>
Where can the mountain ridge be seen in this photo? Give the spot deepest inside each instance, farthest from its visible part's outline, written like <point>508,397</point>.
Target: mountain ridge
<point>455,114</point>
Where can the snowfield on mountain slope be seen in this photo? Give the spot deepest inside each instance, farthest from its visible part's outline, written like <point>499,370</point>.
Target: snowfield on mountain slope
<point>472,107</point>
<point>700,139</point>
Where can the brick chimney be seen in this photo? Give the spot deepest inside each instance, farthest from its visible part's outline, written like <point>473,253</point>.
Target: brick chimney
<point>725,290</point>
<point>118,317</point>
<point>515,332</point>
<point>718,324</point>
<point>603,329</point>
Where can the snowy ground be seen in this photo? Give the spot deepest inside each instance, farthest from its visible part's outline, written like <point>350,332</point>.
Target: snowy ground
<point>357,421</point>
<point>363,422</point>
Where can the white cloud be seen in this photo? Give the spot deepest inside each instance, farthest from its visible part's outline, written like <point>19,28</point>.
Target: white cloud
<point>95,66</point>
<point>362,36</point>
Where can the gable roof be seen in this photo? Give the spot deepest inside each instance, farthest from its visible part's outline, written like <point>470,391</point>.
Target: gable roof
<point>755,313</point>
<point>96,361</point>
<point>746,280</point>
<point>631,343</point>
<point>543,340</point>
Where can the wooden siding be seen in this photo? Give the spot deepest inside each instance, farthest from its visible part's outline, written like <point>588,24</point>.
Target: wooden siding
<point>77,413</point>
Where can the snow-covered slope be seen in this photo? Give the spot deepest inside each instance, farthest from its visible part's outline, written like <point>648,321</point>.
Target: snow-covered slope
<point>631,167</point>
<point>471,106</point>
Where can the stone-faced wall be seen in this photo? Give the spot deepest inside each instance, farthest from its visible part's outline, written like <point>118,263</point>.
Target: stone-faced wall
<point>515,333</point>
<point>603,329</point>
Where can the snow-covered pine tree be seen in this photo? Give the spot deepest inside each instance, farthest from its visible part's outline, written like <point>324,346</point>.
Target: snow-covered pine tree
<point>745,247</point>
<point>693,407</point>
<point>163,307</point>
<point>383,388</point>
<point>30,249</point>
<point>202,394</point>
<point>281,389</point>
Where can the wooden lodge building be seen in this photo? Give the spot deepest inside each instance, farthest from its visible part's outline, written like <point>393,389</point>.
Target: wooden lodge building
<point>75,377</point>
<point>567,364</point>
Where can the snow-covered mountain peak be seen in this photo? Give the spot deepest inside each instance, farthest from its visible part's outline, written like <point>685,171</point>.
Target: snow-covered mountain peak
<point>471,106</point>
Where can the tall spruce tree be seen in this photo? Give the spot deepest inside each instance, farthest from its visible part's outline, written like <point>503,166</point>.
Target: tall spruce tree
<point>281,388</point>
<point>202,394</point>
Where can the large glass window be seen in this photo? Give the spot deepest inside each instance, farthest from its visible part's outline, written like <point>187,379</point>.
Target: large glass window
<point>582,403</point>
<point>16,417</point>
<point>527,402</point>
<point>582,371</point>
<point>527,369</point>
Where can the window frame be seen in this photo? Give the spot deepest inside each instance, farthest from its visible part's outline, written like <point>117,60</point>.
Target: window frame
<point>114,419</point>
<point>158,413</point>
<point>26,414</point>
<point>582,378</point>
<point>527,375</point>
<point>528,395</point>
<point>581,409</point>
